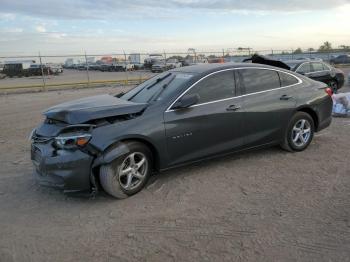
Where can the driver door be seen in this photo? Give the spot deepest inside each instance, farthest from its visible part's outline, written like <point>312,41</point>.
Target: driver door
<point>211,126</point>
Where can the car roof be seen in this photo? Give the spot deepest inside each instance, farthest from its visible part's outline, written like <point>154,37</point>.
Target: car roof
<point>208,68</point>
<point>299,61</point>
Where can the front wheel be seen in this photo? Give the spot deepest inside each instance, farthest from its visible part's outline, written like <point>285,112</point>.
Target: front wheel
<point>299,133</point>
<point>128,174</point>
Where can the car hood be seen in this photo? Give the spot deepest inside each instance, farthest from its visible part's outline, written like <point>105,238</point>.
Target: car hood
<point>96,107</point>
<point>259,59</point>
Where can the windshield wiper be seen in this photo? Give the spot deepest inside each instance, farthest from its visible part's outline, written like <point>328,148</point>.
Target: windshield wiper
<point>150,85</point>
<point>156,95</point>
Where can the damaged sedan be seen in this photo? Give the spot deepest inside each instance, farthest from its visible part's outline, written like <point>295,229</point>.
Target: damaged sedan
<point>175,118</point>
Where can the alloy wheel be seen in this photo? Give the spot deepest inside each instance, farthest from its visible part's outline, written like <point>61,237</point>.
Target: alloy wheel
<point>301,133</point>
<point>133,171</point>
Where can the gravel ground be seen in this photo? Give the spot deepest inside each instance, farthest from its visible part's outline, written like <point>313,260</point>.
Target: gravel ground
<point>266,205</point>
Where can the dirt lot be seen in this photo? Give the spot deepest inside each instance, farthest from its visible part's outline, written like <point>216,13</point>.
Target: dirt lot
<point>266,205</point>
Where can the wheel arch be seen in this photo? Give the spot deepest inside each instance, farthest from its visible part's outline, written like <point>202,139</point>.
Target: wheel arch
<point>312,113</point>
<point>118,148</point>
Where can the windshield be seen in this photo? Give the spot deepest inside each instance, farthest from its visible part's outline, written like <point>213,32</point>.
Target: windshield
<point>157,88</point>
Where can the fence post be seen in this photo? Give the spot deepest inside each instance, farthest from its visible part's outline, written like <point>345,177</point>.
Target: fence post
<point>164,58</point>
<point>126,69</point>
<point>87,69</point>
<point>42,73</point>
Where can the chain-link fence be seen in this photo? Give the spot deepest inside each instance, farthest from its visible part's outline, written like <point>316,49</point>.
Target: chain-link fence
<point>44,72</point>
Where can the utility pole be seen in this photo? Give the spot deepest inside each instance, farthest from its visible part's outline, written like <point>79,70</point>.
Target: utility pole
<point>42,72</point>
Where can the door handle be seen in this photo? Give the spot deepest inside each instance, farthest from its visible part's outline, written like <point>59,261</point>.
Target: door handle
<point>233,108</point>
<point>285,97</point>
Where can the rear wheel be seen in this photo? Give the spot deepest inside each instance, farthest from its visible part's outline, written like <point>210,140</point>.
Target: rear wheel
<point>129,173</point>
<point>299,133</point>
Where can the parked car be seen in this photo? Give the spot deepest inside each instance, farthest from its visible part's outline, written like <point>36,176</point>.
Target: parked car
<point>314,69</point>
<point>126,66</point>
<point>172,63</point>
<point>106,68</point>
<point>159,67</point>
<point>341,59</point>
<point>152,59</point>
<point>162,66</point>
<point>139,66</point>
<point>175,118</point>
<point>16,69</point>
<point>35,70</point>
<point>111,68</point>
<point>56,69</point>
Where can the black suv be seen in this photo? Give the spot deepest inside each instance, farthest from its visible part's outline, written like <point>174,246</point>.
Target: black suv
<point>319,71</point>
<point>314,69</point>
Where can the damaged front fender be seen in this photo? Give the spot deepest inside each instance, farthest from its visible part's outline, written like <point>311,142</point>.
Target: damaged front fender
<point>111,154</point>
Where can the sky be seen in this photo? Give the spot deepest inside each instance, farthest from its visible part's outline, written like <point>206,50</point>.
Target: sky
<point>69,27</point>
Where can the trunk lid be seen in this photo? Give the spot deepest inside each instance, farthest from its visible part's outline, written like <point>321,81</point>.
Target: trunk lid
<point>259,59</point>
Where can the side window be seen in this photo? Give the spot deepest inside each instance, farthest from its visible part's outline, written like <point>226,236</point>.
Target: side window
<point>287,80</point>
<point>215,87</point>
<point>325,67</point>
<point>257,80</point>
<point>317,67</point>
<point>304,68</point>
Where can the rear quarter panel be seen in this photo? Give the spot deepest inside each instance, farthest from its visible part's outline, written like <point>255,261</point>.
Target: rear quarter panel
<point>311,95</point>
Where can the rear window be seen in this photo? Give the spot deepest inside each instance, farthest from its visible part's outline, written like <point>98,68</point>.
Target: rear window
<point>287,79</point>
<point>257,80</point>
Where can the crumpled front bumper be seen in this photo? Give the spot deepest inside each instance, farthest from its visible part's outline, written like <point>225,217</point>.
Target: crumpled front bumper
<point>64,169</point>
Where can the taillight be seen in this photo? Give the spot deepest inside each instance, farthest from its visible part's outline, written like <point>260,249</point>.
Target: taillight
<point>329,91</point>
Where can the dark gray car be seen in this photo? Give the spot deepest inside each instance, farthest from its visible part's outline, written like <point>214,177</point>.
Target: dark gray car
<point>178,117</point>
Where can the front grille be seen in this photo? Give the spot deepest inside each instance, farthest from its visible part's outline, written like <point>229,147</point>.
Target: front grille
<point>36,154</point>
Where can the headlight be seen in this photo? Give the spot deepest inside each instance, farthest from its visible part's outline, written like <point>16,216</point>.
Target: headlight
<point>70,140</point>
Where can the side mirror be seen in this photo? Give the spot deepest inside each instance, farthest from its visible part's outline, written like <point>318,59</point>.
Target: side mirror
<point>186,101</point>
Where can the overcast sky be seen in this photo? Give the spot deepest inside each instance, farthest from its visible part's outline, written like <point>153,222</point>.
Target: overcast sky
<point>66,26</point>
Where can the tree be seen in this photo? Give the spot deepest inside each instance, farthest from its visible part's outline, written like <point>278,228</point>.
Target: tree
<point>327,46</point>
<point>298,51</point>
<point>344,47</point>
<point>310,49</point>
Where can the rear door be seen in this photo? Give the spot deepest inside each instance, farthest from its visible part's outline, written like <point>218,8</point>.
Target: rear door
<point>211,126</point>
<point>320,72</point>
<point>269,102</point>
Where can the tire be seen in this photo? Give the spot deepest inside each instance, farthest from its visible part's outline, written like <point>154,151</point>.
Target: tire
<point>117,183</point>
<point>333,84</point>
<point>300,123</point>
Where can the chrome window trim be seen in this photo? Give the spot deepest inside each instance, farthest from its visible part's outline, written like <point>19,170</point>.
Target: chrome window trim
<point>234,97</point>
<point>329,69</point>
